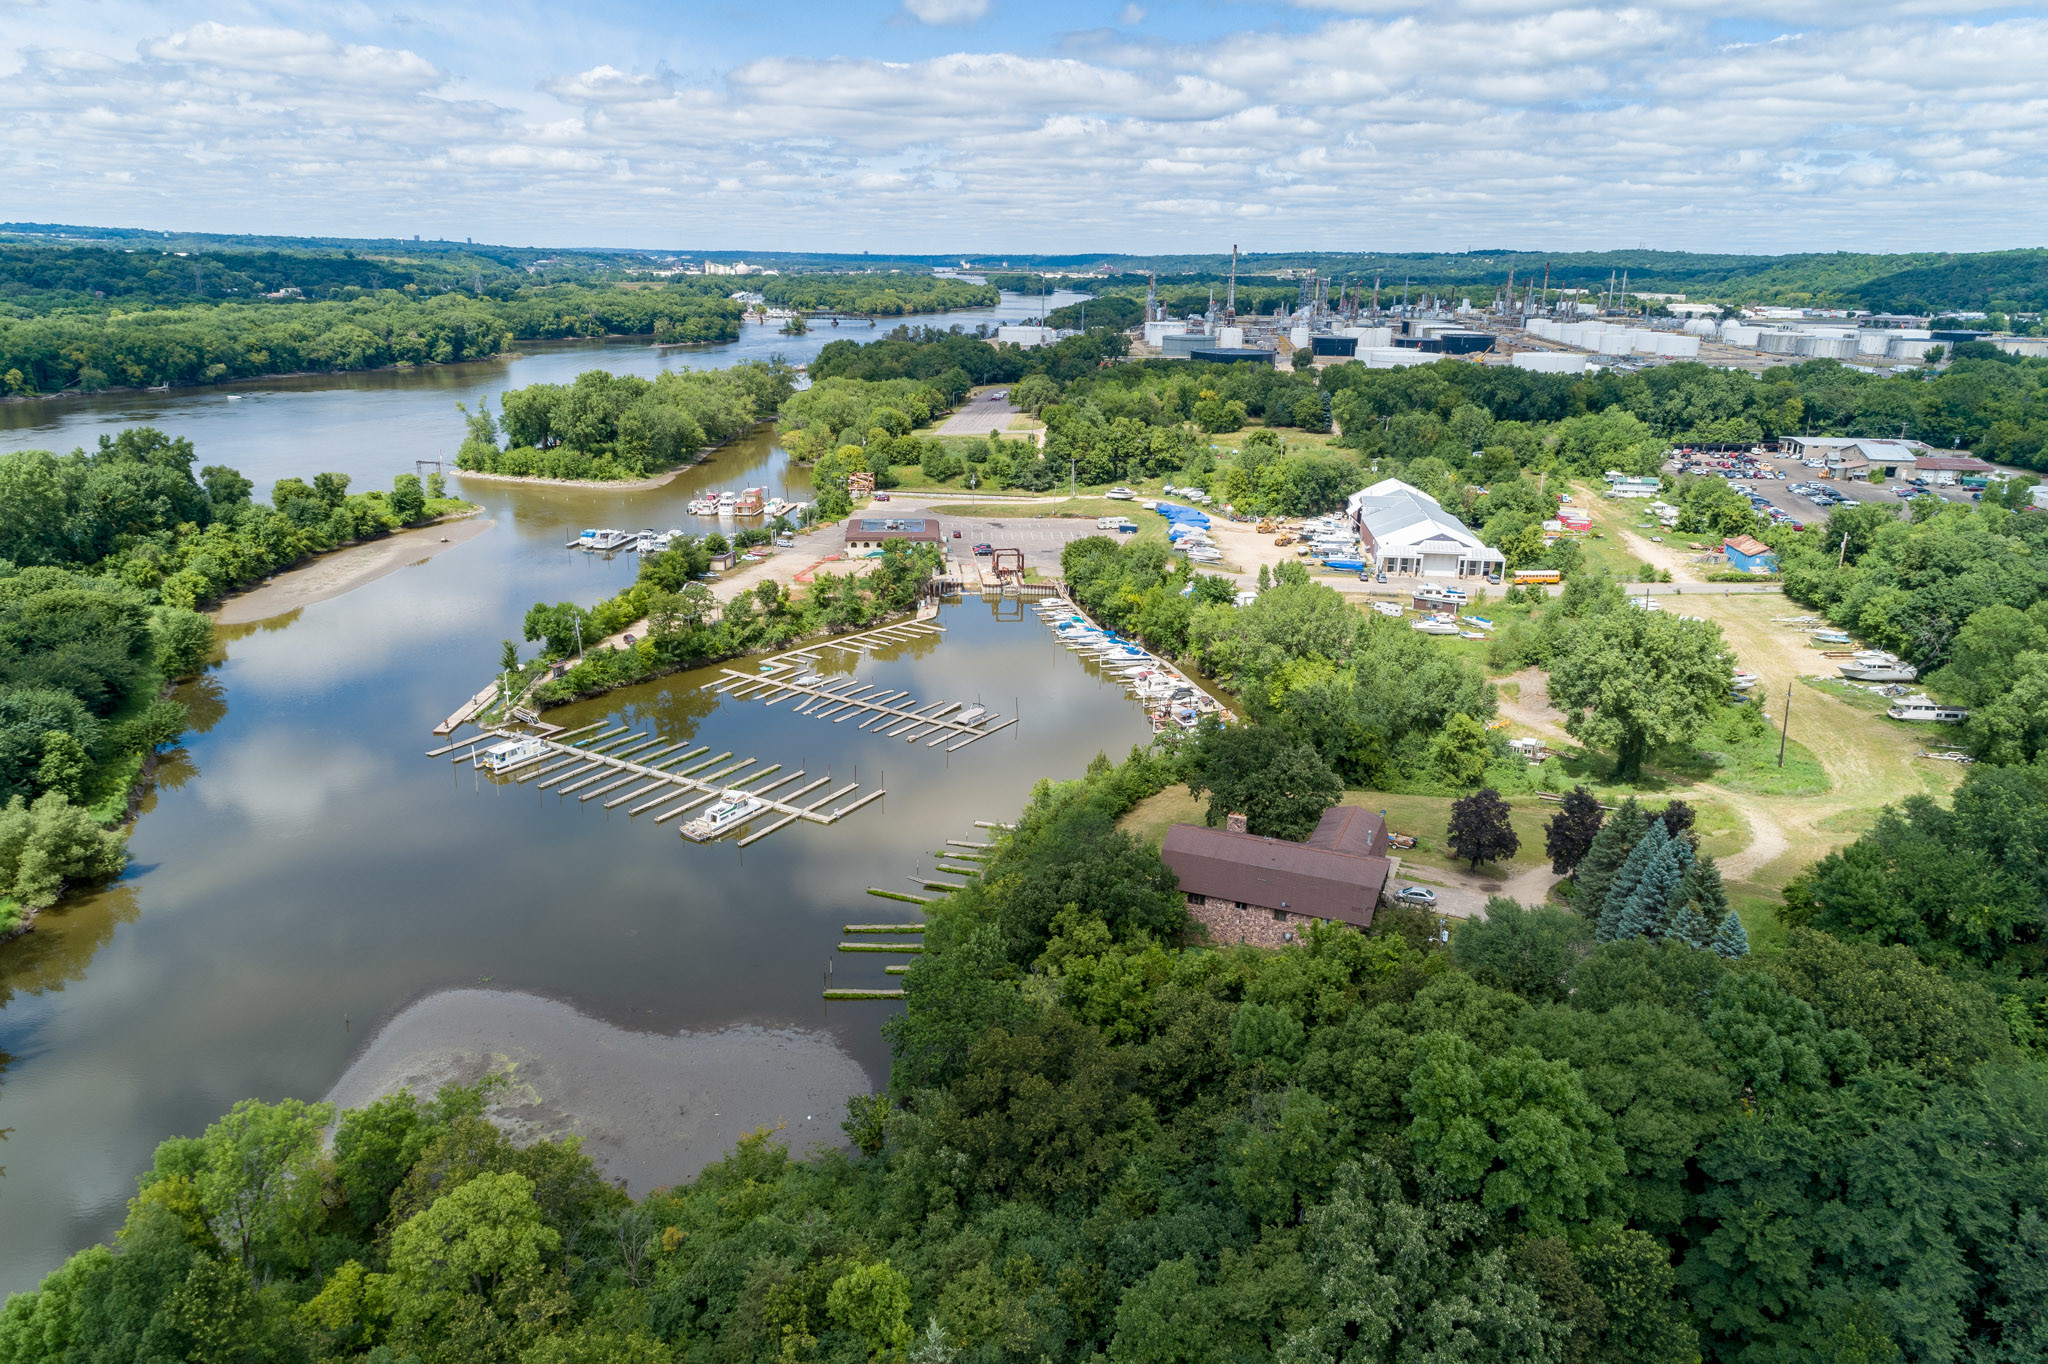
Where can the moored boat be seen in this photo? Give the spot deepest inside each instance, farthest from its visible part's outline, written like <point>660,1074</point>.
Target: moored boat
<point>727,813</point>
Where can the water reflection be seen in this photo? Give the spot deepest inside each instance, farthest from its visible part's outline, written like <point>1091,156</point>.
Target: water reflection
<point>301,865</point>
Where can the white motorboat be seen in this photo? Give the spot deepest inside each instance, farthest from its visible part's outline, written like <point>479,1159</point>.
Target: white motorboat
<point>1926,709</point>
<point>968,716</point>
<point>727,501</point>
<point>706,505</point>
<point>1438,624</point>
<point>1875,665</point>
<point>603,541</point>
<point>777,507</point>
<point>727,813</point>
<point>512,753</point>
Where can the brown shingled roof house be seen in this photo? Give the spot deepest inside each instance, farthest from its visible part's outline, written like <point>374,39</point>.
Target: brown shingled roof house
<point>1250,889</point>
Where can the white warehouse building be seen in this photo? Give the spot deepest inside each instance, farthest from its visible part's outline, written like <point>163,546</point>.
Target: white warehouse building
<point>1404,530</point>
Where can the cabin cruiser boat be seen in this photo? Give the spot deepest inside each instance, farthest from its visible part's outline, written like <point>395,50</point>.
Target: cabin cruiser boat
<point>727,813</point>
<point>603,541</point>
<point>1437,624</point>
<point>727,500</point>
<point>1830,637</point>
<point>1874,665</point>
<point>705,505</point>
<point>968,716</point>
<point>1924,708</point>
<point>778,507</point>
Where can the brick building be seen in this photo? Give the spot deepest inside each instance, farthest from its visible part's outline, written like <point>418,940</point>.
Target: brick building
<point>1247,889</point>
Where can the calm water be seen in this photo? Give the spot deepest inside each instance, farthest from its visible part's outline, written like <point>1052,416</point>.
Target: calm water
<point>304,872</point>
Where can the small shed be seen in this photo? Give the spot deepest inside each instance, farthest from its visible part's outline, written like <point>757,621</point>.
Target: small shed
<point>1746,554</point>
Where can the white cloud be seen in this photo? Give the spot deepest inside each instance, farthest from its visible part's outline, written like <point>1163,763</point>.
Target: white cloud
<point>1131,16</point>
<point>1386,126</point>
<point>945,11</point>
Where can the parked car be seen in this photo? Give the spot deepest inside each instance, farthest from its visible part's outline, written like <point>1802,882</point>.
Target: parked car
<point>881,497</point>
<point>984,548</point>
<point>1415,895</point>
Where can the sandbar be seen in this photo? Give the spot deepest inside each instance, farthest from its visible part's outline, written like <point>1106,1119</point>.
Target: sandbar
<point>346,569</point>
<point>616,485</point>
<point>653,1109</point>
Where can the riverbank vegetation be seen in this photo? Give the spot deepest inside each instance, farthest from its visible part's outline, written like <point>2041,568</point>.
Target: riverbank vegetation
<point>607,427</point>
<point>687,627</point>
<point>876,295</point>
<point>1103,1138</point>
<point>104,557</point>
<point>88,348</point>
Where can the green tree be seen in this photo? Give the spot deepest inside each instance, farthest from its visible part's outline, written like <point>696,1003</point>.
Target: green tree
<point>1513,1128</point>
<point>1528,951</point>
<point>1631,681</point>
<point>408,502</point>
<point>471,1266</point>
<point>1605,856</point>
<point>1279,785</point>
<point>1461,751</point>
<point>1401,1279</point>
<point>873,1301</point>
<point>257,1177</point>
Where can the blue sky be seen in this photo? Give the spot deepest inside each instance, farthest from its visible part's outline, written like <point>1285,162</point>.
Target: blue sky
<point>1057,125</point>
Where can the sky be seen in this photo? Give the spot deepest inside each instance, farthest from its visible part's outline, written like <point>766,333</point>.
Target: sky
<point>992,126</point>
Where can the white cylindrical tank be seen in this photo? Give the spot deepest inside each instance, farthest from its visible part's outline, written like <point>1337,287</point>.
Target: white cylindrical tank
<point>1678,347</point>
<point>1230,338</point>
<point>1646,342</point>
<point>1299,336</point>
<point>1735,334</point>
<point>1909,348</point>
<point>1369,337</point>
<point>1833,348</point>
<point>1548,362</point>
<point>1872,342</point>
<point>1395,357</point>
<point>1778,343</point>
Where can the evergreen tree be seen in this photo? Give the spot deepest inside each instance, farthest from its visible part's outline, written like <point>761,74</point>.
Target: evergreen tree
<point>1702,890</point>
<point>1569,835</point>
<point>1731,941</point>
<point>1689,928</point>
<point>1609,849</point>
<point>1622,889</point>
<point>1644,914</point>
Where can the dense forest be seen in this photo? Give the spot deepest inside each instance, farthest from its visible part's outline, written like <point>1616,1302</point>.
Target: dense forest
<point>876,295</point>
<point>104,556</point>
<point>196,343</point>
<point>606,426</point>
<point>1590,1134</point>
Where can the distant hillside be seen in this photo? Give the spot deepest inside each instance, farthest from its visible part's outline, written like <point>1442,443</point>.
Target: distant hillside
<point>1999,281</point>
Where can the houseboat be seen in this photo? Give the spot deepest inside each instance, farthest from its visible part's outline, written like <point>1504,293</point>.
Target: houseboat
<point>749,502</point>
<point>705,504</point>
<point>727,500</point>
<point>512,753</point>
<point>1924,708</point>
<point>603,541</point>
<point>727,813</point>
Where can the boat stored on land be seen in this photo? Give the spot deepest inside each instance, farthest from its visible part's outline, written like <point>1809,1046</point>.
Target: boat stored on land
<point>1925,708</point>
<point>1875,665</point>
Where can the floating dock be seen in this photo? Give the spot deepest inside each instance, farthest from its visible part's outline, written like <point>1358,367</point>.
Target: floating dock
<point>794,677</point>
<point>616,757</point>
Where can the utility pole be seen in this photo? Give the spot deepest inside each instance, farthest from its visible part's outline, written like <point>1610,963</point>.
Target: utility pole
<point>1786,732</point>
<point>1070,477</point>
<point>1842,554</point>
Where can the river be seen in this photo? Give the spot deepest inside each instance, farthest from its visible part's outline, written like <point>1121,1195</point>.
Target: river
<point>304,874</point>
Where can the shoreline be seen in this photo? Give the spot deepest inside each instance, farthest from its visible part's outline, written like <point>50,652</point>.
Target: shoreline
<point>340,571</point>
<point>624,485</point>
<point>167,389</point>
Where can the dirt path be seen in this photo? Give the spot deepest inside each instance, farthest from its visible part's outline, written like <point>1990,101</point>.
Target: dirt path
<point>344,570</point>
<point>1869,760</point>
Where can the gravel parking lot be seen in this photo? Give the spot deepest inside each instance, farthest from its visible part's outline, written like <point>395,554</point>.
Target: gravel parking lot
<point>1805,511</point>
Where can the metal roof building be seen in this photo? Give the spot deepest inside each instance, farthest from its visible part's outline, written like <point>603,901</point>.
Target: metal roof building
<point>1404,530</point>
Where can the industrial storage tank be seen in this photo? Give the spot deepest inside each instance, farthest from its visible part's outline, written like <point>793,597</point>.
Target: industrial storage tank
<point>1369,337</point>
<point>1395,357</point>
<point>1678,347</point>
<point>1832,348</point>
<point>1548,362</point>
<point>1873,342</point>
<point>1736,334</point>
<point>1778,343</point>
<point>1700,326</point>
<point>1299,336</point>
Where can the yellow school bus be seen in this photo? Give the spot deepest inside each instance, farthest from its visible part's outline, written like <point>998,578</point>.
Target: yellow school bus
<point>1523,577</point>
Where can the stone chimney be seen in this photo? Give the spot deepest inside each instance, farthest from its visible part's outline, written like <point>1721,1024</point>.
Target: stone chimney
<point>1236,824</point>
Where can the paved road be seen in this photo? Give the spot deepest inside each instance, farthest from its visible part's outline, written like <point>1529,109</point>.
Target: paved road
<point>981,414</point>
